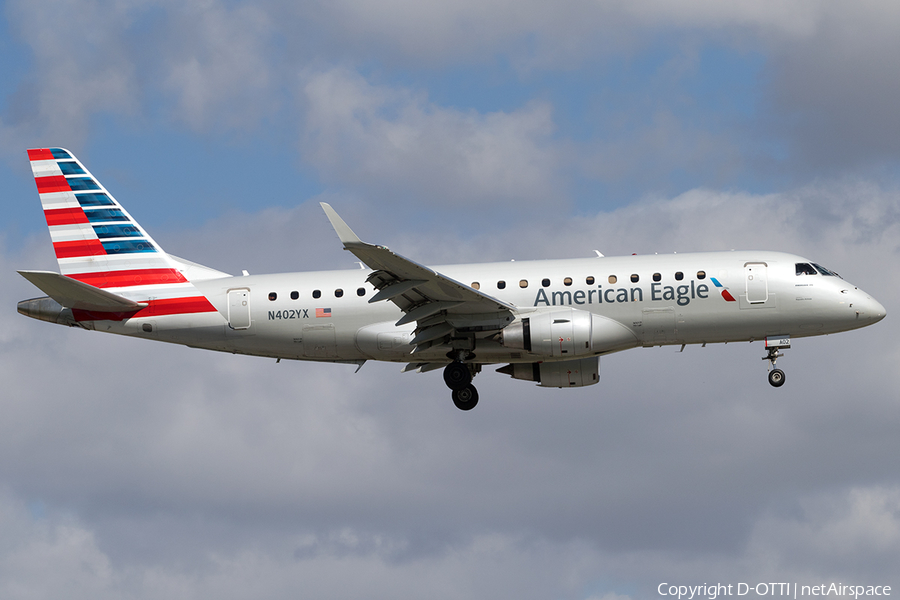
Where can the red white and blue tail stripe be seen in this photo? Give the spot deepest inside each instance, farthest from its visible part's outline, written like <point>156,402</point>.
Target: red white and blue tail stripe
<point>98,243</point>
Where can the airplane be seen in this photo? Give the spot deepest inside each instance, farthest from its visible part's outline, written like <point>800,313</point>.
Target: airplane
<point>545,321</point>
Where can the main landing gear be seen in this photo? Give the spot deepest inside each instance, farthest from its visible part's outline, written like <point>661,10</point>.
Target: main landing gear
<point>458,377</point>
<point>776,376</point>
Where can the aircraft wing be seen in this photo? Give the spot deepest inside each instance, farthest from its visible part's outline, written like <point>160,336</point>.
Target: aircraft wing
<point>72,293</point>
<point>441,307</point>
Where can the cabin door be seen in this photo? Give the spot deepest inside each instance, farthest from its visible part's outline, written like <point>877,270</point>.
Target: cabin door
<point>239,309</point>
<point>757,282</point>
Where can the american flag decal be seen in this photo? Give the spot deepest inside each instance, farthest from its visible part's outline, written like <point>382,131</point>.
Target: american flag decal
<point>323,312</point>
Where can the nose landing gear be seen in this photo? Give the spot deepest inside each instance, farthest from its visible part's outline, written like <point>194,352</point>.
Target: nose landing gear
<point>773,345</point>
<point>458,377</point>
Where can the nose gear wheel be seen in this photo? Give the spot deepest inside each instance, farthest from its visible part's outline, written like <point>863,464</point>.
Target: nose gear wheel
<point>776,377</point>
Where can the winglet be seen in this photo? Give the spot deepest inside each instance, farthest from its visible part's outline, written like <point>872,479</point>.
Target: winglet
<point>346,235</point>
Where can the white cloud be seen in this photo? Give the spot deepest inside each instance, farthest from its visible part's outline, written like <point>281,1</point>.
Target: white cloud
<point>392,142</point>
<point>219,65</point>
<point>825,94</point>
<point>106,57</point>
<point>850,533</point>
<point>538,34</point>
<point>82,67</point>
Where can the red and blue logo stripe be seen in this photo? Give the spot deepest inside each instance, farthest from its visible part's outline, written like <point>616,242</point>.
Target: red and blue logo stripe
<point>725,293</point>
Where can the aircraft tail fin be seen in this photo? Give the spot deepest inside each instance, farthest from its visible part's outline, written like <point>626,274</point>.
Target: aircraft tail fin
<point>110,265</point>
<point>95,239</point>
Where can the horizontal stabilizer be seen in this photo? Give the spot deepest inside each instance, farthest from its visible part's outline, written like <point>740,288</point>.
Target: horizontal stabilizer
<point>71,293</point>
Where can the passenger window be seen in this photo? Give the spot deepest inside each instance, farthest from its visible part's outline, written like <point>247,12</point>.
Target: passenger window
<point>523,283</point>
<point>679,276</point>
<point>805,269</point>
<point>501,285</point>
<point>295,295</point>
<point>613,279</point>
<point>360,292</point>
<point>657,277</point>
<point>589,280</point>
<point>273,296</point>
<point>545,282</point>
<point>317,294</point>
<point>476,285</point>
<point>701,274</point>
<point>635,278</point>
<point>338,293</point>
<point>567,281</point>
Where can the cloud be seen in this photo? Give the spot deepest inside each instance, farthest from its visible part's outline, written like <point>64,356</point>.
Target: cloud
<point>44,560</point>
<point>82,67</point>
<point>848,534</point>
<point>653,149</point>
<point>174,472</point>
<point>49,556</point>
<point>537,35</point>
<point>831,92</point>
<point>218,65</point>
<point>823,99</point>
<point>106,57</point>
<point>398,146</point>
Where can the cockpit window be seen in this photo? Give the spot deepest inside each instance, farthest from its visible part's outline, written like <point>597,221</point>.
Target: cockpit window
<point>805,269</point>
<point>825,271</point>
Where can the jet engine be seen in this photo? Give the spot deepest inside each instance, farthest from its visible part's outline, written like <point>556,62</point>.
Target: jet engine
<point>563,373</point>
<point>566,333</point>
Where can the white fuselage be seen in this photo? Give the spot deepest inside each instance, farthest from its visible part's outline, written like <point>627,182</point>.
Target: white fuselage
<point>550,319</point>
<point>326,315</point>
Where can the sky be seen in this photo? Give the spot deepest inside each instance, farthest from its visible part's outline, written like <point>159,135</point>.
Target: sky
<point>452,132</point>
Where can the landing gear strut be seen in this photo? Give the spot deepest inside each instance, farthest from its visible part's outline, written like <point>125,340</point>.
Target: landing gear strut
<point>776,376</point>
<point>458,377</point>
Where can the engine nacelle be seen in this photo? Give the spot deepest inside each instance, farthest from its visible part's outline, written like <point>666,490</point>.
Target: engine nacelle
<point>564,373</point>
<point>567,332</point>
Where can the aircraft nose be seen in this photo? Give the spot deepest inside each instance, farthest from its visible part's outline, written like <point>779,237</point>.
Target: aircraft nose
<point>876,310</point>
<point>869,308</point>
